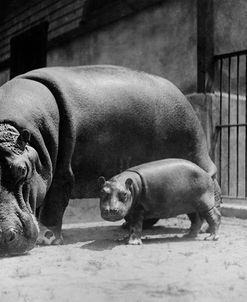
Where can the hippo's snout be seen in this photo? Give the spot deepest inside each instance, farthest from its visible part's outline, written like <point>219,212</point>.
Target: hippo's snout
<point>13,242</point>
<point>111,214</point>
<point>7,238</point>
<point>18,234</point>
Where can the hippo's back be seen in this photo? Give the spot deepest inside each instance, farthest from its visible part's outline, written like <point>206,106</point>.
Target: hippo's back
<point>173,173</point>
<point>175,186</point>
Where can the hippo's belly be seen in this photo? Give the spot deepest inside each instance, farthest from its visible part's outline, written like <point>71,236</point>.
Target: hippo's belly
<point>108,152</point>
<point>169,209</point>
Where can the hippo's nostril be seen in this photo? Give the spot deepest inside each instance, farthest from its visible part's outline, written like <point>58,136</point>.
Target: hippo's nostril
<point>114,211</point>
<point>105,212</point>
<point>10,235</point>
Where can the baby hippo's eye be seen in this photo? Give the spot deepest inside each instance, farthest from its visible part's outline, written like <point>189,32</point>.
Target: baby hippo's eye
<point>122,196</point>
<point>20,171</point>
<point>103,194</point>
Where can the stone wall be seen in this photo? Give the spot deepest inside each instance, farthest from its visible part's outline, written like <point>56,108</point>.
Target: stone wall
<point>159,40</point>
<point>230,26</point>
<point>206,107</point>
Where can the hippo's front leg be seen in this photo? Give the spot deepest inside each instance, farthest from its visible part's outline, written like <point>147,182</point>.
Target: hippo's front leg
<point>52,211</point>
<point>135,226</point>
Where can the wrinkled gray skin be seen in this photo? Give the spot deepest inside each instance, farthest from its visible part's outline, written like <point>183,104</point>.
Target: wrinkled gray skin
<point>16,216</point>
<point>160,189</point>
<point>63,127</point>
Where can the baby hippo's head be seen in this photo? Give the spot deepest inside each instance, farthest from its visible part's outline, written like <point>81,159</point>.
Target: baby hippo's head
<point>115,198</point>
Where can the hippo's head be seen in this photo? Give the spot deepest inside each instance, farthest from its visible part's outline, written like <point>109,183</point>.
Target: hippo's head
<point>18,226</point>
<point>115,198</point>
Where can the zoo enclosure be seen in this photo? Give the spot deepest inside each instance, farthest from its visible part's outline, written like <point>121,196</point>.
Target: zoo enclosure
<point>231,91</point>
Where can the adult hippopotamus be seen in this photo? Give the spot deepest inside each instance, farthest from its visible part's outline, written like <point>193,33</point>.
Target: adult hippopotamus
<point>160,189</point>
<point>61,128</point>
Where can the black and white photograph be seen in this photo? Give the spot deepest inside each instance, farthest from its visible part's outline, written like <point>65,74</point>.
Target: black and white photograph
<point>123,150</point>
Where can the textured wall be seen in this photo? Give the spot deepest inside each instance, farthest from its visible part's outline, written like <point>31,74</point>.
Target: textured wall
<point>62,15</point>
<point>4,76</point>
<point>230,26</point>
<point>159,40</point>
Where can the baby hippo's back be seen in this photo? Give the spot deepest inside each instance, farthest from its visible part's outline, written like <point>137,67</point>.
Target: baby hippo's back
<point>175,186</point>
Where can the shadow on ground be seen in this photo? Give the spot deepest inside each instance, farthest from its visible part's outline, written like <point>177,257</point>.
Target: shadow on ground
<point>107,237</point>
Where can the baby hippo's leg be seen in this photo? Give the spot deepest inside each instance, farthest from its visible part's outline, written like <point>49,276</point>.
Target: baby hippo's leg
<point>213,218</point>
<point>196,223</point>
<point>135,226</point>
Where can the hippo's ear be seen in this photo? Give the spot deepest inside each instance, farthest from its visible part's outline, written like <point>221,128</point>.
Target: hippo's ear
<point>101,181</point>
<point>128,183</point>
<point>24,138</point>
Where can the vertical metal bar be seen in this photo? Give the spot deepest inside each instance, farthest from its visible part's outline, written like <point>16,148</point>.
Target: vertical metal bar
<point>245,126</point>
<point>229,130</point>
<point>220,149</point>
<point>237,136</point>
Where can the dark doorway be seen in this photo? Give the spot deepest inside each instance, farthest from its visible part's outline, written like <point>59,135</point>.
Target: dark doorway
<point>28,50</point>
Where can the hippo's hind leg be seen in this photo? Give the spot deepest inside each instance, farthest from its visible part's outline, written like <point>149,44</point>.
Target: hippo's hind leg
<point>196,224</point>
<point>213,218</point>
<point>218,200</point>
<point>194,217</point>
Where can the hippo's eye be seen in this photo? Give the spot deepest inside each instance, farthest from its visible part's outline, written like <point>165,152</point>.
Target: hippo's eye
<point>122,196</point>
<point>103,194</point>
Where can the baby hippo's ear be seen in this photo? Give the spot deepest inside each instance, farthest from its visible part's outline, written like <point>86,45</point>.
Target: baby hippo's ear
<point>24,138</point>
<point>101,181</point>
<point>128,183</point>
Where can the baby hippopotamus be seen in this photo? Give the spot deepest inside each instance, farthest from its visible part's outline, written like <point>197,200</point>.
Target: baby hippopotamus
<point>159,189</point>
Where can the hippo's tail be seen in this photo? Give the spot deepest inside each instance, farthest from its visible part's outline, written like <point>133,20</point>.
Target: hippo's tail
<point>217,193</point>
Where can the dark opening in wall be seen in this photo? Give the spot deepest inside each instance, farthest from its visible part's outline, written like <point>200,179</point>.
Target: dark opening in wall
<point>28,50</point>
<point>94,7</point>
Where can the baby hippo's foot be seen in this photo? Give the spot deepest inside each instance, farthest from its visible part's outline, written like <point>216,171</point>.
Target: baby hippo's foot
<point>212,236</point>
<point>190,234</point>
<point>134,240</point>
<point>193,231</point>
<point>48,236</point>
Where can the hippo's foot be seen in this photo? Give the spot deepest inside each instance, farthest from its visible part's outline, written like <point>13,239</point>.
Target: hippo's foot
<point>48,237</point>
<point>212,237</point>
<point>191,234</point>
<point>213,218</point>
<point>193,231</point>
<point>134,240</point>
<point>205,229</point>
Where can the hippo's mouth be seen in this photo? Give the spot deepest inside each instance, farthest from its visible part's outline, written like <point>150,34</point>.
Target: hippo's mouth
<point>18,226</point>
<point>20,238</point>
<point>112,215</point>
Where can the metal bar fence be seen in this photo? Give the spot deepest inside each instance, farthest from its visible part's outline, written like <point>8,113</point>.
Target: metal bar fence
<point>231,84</point>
